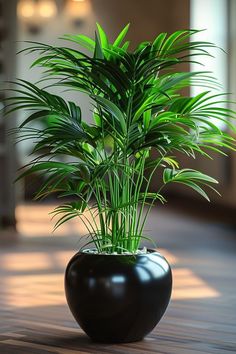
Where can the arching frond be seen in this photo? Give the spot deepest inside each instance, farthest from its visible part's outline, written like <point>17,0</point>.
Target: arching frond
<point>138,106</point>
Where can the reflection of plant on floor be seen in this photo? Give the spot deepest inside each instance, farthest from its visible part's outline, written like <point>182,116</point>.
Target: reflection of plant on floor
<point>138,105</point>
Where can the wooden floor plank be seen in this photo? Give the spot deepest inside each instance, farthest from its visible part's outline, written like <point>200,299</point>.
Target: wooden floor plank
<point>201,318</point>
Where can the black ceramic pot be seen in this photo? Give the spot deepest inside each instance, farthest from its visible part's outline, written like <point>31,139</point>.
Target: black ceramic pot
<point>118,298</point>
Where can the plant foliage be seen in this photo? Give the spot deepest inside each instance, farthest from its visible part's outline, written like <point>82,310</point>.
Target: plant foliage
<point>138,106</point>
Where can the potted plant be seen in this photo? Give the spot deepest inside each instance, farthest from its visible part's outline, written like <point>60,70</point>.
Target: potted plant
<point>116,290</point>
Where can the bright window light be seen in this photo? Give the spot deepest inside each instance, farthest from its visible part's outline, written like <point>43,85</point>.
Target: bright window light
<point>211,15</point>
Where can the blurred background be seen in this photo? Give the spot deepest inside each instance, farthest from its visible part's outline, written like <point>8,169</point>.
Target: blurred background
<point>47,20</point>
<point>197,237</point>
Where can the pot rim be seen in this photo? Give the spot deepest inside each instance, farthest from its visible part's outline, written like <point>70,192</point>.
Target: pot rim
<point>148,251</point>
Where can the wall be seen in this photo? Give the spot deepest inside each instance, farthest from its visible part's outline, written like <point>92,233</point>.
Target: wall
<point>230,191</point>
<point>147,18</point>
<point>7,149</point>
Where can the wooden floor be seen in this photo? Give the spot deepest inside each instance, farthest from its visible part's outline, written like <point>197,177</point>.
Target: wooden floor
<point>200,319</point>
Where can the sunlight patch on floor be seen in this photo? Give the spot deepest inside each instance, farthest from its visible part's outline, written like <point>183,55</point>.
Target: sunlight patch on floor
<point>36,220</point>
<point>187,285</point>
<point>35,261</point>
<point>37,279</point>
<point>34,290</point>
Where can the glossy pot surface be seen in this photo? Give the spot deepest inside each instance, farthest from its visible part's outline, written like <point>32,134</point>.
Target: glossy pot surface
<point>118,298</point>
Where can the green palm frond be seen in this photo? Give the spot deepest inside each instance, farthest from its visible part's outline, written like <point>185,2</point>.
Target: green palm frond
<point>138,106</point>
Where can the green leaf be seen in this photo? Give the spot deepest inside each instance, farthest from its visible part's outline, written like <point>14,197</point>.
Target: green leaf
<point>147,115</point>
<point>171,41</point>
<point>171,161</point>
<point>121,36</point>
<point>98,53</point>
<point>75,111</point>
<point>48,166</point>
<point>82,40</point>
<point>125,46</point>
<point>197,188</point>
<point>103,37</point>
<point>85,172</point>
<point>158,42</point>
<point>113,109</point>
<point>34,116</point>
<point>142,108</point>
<point>190,178</point>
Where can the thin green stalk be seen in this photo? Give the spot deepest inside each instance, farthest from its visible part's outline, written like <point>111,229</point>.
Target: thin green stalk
<point>99,204</point>
<point>138,187</point>
<point>149,209</point>
<point>144,199</point>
